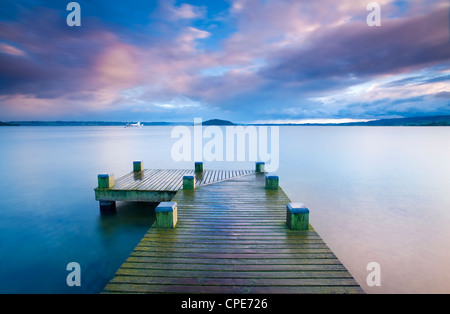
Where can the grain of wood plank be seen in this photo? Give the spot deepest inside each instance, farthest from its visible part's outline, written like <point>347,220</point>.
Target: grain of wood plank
<point>174,178</point>
<point>195,281</point>
<point>198,289</point>
<point>235,268</point>
<point>230,274</point>
<point>149,180</point>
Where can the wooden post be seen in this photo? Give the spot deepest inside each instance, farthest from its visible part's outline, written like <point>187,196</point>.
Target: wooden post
<point>105,181</point>
<point>272,182</point>
<point>166,215</point>
<point>199,166</point>
<point>188,183</point>
<point>260,166</point>
<point>138,166</point>
<point>297,216</point>
<point>107,207</point>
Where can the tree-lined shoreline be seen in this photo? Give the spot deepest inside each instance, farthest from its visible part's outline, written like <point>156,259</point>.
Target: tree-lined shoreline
<point>413,121</point>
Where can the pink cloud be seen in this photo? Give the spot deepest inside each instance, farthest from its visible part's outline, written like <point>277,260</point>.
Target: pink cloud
<point>4,48</point>
<point>302,47</point>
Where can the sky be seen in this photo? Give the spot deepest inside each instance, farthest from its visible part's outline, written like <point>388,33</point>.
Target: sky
<point>239,60</point>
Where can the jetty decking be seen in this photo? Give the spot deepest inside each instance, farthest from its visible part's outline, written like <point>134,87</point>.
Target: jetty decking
<point>231,237</point>
<point>159,185</point>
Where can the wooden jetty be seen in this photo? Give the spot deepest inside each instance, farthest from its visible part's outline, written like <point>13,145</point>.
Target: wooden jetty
<point>232,232</point>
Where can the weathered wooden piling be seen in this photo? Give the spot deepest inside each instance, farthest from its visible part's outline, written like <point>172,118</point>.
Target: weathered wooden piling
<point>188,183</point>
<point>199,167</point>
<point>166,215</point>
<point>260,166</point>
<point>272,182</point>
<point>138,166</point>
<point>106,181</point>
<point>297,216</point>
<point>107,207</point>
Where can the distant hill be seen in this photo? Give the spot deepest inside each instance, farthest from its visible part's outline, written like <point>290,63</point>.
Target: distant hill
<point>415,121</point>
<point>7,124</point>
<point>217,122</point>
<point>91,123</point>
<point>66,123</point>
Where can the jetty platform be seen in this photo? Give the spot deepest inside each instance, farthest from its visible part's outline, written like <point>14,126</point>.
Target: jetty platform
<point>223,232</point>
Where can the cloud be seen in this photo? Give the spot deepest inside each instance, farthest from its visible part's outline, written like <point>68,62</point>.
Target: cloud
<point>268,60</point>
<point>169,10</point>
<point>354,50</point>
<point>5,48</point>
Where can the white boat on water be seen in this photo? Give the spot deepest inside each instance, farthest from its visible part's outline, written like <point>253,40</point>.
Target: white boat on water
<point>134,125</point>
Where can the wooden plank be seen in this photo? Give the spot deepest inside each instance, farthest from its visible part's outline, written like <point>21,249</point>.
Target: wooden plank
<point>158,183</point>
<point>198,289</point>
<point>146,176</point>
<point>123,271</point>
<point>228,252</point>
<point>167,180</point>
<point>177,181</point>
<point>208,177</point>
<point>148,181</point>
<point>225,259</point>
<point>133,196</point>
<point>235,268</point>
<point>237,250</point>
<point>234,281</point>
<point>173,176</point>
<point>233,247</point>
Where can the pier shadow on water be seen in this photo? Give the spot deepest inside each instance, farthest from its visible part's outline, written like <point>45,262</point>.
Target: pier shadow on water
<point>129,214</point>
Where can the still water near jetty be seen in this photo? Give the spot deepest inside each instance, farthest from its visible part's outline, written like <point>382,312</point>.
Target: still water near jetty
<point>376,194</point>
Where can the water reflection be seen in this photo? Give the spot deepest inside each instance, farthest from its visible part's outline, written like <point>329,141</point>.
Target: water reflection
<point>375,195</point>
<point>132,214</point>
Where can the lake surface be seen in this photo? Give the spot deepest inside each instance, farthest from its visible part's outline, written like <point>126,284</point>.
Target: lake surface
<point>376,194</point>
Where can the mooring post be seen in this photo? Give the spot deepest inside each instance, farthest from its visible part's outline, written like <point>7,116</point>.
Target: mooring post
<point>272,182</point>
<point>260,166</point>
<point>199,166</point>
<point>166,215</point>
<point>297,216</point>
<point>107,207</point>
<point>188,183</point>
<point>106,181</point>
<point>138,166</point>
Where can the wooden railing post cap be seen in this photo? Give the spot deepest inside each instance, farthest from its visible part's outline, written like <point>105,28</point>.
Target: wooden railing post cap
<point>166,207</point>
<point>297,208</point>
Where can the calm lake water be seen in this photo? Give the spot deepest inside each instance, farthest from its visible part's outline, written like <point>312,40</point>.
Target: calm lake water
<point>376,194</point>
